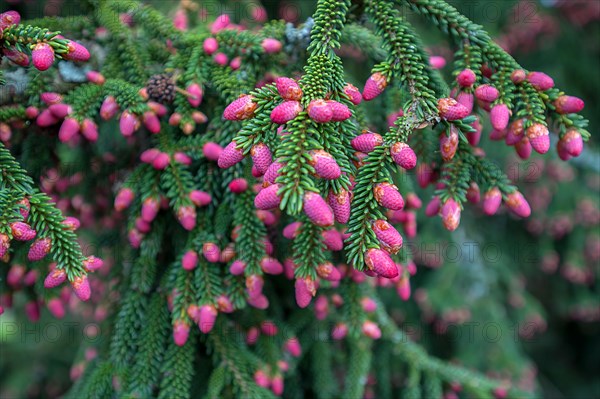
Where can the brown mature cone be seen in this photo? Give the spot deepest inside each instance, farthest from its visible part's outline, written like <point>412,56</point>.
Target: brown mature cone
<point>161,88</point>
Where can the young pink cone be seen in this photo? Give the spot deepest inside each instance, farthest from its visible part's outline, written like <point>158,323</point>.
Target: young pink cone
<point>189,260</point>
<point>261,157</point>
<point>388,196</point>
<point>16,56</point>
<point>473,193</point>
<point>518,76</point>
<point>109,108</point>
<point>181,332</point>
<point>95,77</point>
<point>518,204</point>
<point>196,94</point>
<point>523,148</point>
<point>210,45</point>
<point>42,56</point>
<point>123,199</point>
<point>353,93</point>
<point>339,332</point>
<point>4,244</point>
<point>208,316</point>
<point>254,285</point>
<point>374,86</point>
<point>221,59</point>
<point>450,214</point>
<point>55,278</point>
<point>237,267</point>
<point>487,93</point>
<point>572,142</point>
<point>292,230</point>
<point>89,130</point>
<point>451,110</point>
<point>568,104</point>
<point>56,307</point>
<point>68,129</point>
<point>437,62</point>
<point>60,110</point>
<point>433,207</point>
<point>328,272</point>
<point>81,287</point>
<point>39,249</point>
<point>325,165</point>
<point>466,78</point>
<point>267,198</point>
<point>76,52</point>
<point>286,111</point>
<point>262,379</point>
<point>474,137</point>
<point>466,99</point>
<point>388,236</point>
<point>340,204</point>
<point>491,201</point>
<point>515,132</point>
<point>9,18</point>
<point>150,208</point>
<point>22,231</point>
<point>292,346</point>
<point>339,112</point>
<point>403,155</point>
<point>241,108</point>
<point>449,144</point>
<point>200,198</point>
<point>403,288</point>
<point>305,289</point>
<point>288,89</point>
<point>186,215</point>
<point>238,185</point>
<point>368,304</point>
<point>366,142</point>
<point>128,123</point>
<point>333,240</point>
<point>272,172</point>
<point>371,330</point>
<point>320,111</point>
<point>151,122</point>
<point>271,266</point>
<point>230,156</point>
<point>46,118</point>
<point>379,261</point>
<point>539,137</point>
<point>211,252</point>
<point>271,46</point>
<point>317,209</point>
<point>540,81</point>
<point>499,116</point>
<point>92,263</point>
<point>212,151</point>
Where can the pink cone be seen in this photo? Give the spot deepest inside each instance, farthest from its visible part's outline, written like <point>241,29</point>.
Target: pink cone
<point>123,199</point>
<point>568,105</point>
<point>466,78</point>
<point>271,266</point>
<point>451,110</point>
<point>240,109</point>
<point>267,198</point>
<point>380,262</point>
<point>572,142</point>
<point>181,332</point>
<point>208,316</point>
<point>109,108</point>
<point>329,272</point>
<point>81,287</point>
<point>189,260</point>
<point>518,204</point>
<point>340,204</point>
<point>540,81</point>
<point>272,172</point>
<point>317,209</point>
<point>128,123</point>
<point>22,231</point>
<point>539,137</point>
<point>305,290</point>
<point>285,112</point>
<point>366,142</point>
<point>388,236</point>
<point>68,130</point>
<point>339,112</point>
<point>325,165</point>
<point>89,130</point>
<point>186,215</point>
<point>230,156</point>
<point>42,56</point>
<point>320,111</point>
<point>211,252</point>
<point>403,155</point>
<point>288,89</point>
<point>374,86</point>
<point>387,195</point>
<point>55,278</point>
<point>450,214</point>
<point>261,157</point>
<point>499,116</point>
<point>491,201</point>
<point>353,93</point>
<point>39,249</point>
<point>449,144</point>
<point>487,93</point>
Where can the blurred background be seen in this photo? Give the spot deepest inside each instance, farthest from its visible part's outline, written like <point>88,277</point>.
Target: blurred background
<point>516,299</point>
